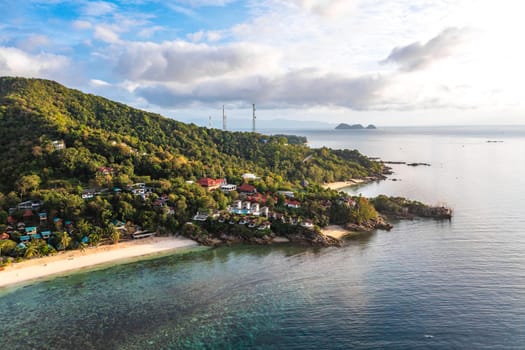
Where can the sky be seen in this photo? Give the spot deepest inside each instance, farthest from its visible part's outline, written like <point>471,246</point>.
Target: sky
<point>391,63</point>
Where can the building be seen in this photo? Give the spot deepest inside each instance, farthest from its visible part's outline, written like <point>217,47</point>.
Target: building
<point>292,204</point>
<point>264,226</point>
<point>30,230</point>
<point>307,224</point>
<point>58,145</point>
<point>88,194</point>
<point>201,217</point>
<point>248,177</point>
<point>228,188</point>
<point>211,184</point>
<point>245,188</point>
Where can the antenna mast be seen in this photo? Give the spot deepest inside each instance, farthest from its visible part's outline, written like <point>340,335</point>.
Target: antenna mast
<point>210,125</point>
<point>253,121</point>
<point>223,119</point>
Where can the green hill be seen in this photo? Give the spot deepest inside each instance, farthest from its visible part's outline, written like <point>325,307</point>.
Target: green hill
<point>68,160</point>
<point>101,133</point>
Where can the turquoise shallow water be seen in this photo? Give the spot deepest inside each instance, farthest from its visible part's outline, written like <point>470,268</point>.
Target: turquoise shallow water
<point>425,284</point>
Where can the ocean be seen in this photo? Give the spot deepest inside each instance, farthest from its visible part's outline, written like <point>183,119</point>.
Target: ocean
<point>428,284</point>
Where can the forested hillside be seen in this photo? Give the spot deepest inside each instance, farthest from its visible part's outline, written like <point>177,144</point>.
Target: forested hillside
<point>76,169</point>
<point>101,133</point>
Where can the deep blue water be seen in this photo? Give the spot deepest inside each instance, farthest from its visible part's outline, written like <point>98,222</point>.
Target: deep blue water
<point>425,284</point>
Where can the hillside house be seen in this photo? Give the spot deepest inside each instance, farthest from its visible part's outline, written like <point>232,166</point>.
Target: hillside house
<point>228,188</point>
<point>211,184</point>
<point>58,145</point>
<point>292,204</point>
<point>248,189</point>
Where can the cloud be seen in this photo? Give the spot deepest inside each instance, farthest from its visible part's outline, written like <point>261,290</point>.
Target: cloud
<point>304,88</point>
<point>150,31</point>
<point>323,8</point>
<point>417,56</point>
<point>106,34</point>
<point>33,42</point>
<point>81,25</point>
<point>201,3</point>
<point>98,8</point>
<point>182,10</point>
<point>180,61</point>
<point>209,36</point>
<point>16,62</point>
<point>99,83</point>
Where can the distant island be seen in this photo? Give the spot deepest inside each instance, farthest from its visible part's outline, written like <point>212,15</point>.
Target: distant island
<point>344,126</point>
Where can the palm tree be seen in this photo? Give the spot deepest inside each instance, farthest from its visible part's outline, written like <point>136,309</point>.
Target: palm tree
<point>94,238</point>
<point>114,234</point>
<point>64,240</point>
<point>31,250</point>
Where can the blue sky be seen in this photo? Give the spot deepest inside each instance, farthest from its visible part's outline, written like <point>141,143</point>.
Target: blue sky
<point>397,62</point>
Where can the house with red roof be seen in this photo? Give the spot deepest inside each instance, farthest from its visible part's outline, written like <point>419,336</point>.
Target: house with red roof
<point>292,204</point>
<point>211,184</point>
<point>245,188</point>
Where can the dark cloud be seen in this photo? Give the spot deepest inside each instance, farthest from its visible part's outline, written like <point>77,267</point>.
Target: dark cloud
<point>418,56</point>
<point>305,88</point>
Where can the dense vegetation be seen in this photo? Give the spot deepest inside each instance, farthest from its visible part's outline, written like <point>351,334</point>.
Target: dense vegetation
<point>58,142</point>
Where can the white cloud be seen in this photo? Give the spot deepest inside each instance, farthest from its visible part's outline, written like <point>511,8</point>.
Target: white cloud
<point>106,34</point>
<point>16,62</point>
<point>98,8</point>
<point>81,25</point>
<point>33,42</point>
<point>182,10</point>
<point>150,31</point>
<point>186,62</point>
<point>99,83</point>
<point>330,9</point>
<point>200,3</point>
<point>209,36</point>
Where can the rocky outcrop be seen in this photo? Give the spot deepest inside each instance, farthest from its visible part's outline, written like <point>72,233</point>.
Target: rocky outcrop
<point>379,223</point>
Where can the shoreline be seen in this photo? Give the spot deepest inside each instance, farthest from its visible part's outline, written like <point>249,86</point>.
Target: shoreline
<point>337,232</point>
<point>76,260</point>
<point>342,184</point>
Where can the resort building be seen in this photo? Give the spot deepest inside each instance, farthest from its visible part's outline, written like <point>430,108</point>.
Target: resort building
<point>211,184</point>
<point>228,188</point>
<point>245,188</point>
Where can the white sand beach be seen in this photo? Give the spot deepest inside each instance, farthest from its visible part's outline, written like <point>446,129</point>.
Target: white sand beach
<point>76,259</point>
<point>336,231</point>
<point>342,184</point>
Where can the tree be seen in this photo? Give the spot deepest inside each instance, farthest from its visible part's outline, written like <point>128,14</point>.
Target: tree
<point>28,183</point>
<point>363,211</point>
<point>113,234</point>
<point>63,240</point>
<point>7,248</point>
<point>31,250</point>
